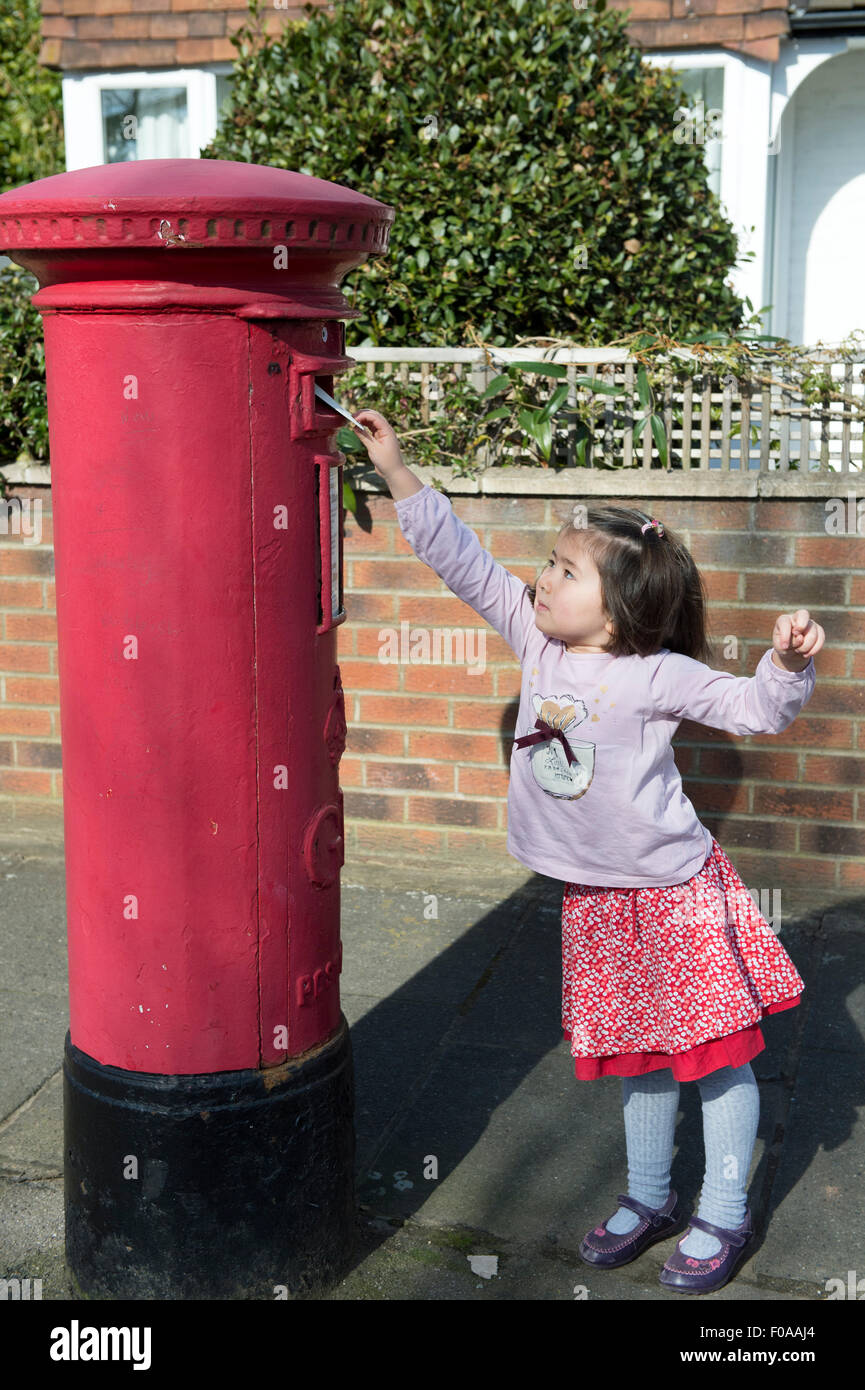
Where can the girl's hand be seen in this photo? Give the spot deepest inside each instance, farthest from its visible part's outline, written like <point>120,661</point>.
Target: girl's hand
<point>383,448</point>
<point>797,635</point>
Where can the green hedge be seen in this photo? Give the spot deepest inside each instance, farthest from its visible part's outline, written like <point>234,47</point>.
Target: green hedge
<point>529,151</point>
<point>527,148</point>
<point>31,147</point>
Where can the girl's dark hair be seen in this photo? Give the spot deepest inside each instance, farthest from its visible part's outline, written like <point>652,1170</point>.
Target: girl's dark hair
<point>651,589</point>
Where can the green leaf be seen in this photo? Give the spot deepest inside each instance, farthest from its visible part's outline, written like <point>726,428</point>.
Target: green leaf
<point>498,383</point>
<point>559,396</point>
<point>660,438</point>
<point>604,388</point>
<point>644,390</point>
<point>541,368</point>
<point>349,501</point>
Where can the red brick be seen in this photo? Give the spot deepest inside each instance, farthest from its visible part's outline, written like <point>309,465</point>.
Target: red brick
<point>721,584</point>
<point>26,783</point>
<point>389,575</point>
<point>351,772</point>
<point>475,781</point>
<point>832,840</point>
<point>768,767</point>
<point>35,722</point>
<point>851,877</point>
<point>790,870</point>
<point>372,608</point>
<point>378,541</point>
<point>436,610</point>
<point>445,678</point>
<point>370,675</point>
<point>444,810</point>
<point>359,805</point>
<point>403,710</point>
<point>25,656</point>
<point>751,833</point>
<point>830,552</point>
<point>31,627</point>
<point>795,590</point>
<point>508,681</point>
<point>488,716</point>
<point>462,748</point>
<point>361,740</point>
<point>803,802</point>
<point>717,796</point>
<point>38,754</point>
<point>839,771</point>
<point>481,846</point>
<point>396,840</point>
<point>409,776</point>
<point>20,593</point>
<point>841,697</point>
<point>31,692</point>
<point>506,511</point>
<point>507,545</point>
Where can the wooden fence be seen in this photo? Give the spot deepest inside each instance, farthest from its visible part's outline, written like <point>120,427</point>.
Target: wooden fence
<point>706,417</point>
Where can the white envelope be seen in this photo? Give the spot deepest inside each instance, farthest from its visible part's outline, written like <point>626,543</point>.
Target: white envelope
<point>328,400</point>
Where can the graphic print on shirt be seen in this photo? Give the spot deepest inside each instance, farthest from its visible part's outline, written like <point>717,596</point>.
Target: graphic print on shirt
<point>550,766</point>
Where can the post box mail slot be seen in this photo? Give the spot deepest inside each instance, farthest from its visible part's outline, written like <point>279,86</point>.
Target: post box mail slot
<point>328,512</point>
<point>308,415</point>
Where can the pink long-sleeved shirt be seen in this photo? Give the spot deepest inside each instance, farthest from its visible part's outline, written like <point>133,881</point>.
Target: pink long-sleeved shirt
<point>617,815</point>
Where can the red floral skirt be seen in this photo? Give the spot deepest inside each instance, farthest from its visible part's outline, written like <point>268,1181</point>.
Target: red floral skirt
<point>678,976</point>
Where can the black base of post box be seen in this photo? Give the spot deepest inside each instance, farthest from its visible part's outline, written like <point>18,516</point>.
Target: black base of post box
<point>235,1185</point>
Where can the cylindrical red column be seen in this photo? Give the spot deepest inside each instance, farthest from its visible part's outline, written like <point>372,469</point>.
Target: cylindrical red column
<point>190,308</point>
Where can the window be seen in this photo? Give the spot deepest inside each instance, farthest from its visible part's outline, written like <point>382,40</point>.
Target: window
<point>705,89</point>
<point>143,123</point>
<point>111,117</point>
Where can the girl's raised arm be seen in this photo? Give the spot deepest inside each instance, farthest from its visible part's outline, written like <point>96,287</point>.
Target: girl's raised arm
<point>438,537</point>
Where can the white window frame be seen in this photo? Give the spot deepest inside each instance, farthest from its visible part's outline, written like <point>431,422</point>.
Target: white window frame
<point>82,107</point>
<point>745,126</point>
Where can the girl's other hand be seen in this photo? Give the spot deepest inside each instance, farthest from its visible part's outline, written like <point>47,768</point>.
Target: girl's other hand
<point>796,634</point>
<point>383,448</point>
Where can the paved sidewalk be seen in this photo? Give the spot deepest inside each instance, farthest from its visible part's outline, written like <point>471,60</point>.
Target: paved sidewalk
<point>459,1058</point>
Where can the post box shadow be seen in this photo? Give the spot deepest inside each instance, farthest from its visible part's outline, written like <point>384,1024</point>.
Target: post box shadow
<point>472,1130</point>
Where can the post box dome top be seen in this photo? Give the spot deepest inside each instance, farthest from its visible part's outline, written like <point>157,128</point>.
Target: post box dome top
<point>202,202</point>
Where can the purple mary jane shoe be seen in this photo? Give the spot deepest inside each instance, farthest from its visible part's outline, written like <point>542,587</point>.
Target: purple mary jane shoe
<point>605,1250</point>
<point>689,1275</point>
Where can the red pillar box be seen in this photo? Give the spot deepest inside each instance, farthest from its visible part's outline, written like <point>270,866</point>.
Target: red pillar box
<point>190,307</point>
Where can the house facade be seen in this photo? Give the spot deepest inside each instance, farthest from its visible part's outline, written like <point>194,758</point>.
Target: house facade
<point>778,102</point>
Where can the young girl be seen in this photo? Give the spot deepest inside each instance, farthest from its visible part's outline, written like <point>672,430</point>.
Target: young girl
<point>668,967</point>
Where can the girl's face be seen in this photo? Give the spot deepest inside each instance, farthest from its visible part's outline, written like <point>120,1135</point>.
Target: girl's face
<point>568,598</point>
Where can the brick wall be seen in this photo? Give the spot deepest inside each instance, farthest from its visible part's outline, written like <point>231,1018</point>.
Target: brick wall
<point>426,764</point>
<point>30,768</point>
<point>425,770</point>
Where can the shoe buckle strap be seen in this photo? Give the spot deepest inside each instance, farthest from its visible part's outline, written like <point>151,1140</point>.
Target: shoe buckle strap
<point>646,1213</point>
<point>725,1237</point>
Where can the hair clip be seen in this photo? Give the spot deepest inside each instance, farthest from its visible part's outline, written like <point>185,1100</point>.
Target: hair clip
<point>657,525</point>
